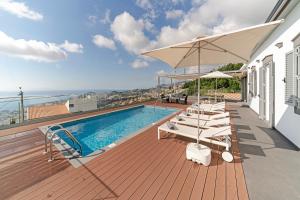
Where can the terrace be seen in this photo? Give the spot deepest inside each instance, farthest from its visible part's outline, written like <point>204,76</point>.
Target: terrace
<point>145,168</point>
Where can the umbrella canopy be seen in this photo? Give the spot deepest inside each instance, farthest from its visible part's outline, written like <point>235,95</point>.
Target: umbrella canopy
<point>231,47</point>
<point>216,74</point>
<point>181,76</point>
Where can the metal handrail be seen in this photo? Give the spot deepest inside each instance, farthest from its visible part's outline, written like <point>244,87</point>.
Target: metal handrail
<point>54,133</point>
<point>46,135</point>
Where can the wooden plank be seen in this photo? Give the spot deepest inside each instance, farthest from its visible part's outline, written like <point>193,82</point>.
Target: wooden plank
<point>198,188</point>
<point>145,182</point>
<point>187,188</point>
<point>157,184</point>
<point>220,190</point>
<point>144,170</point>
<point>168,182</point>
<point>210,184</point>
<point>179,181</point>
<point>104,180</point>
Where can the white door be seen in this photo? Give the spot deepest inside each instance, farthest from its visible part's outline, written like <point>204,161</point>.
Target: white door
<point>262,93</point>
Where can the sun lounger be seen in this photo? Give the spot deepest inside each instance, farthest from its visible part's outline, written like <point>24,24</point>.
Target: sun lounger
<point>206,135</point>
<point>213,108</point>
<point>202,123</point>
<point>203,116</point>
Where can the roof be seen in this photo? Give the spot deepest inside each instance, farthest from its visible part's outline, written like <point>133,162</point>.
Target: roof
<point>281,9</point>
<point>34,112</point>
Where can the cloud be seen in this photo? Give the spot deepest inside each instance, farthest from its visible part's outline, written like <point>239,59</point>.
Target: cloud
<point>204,18</point>
<point>105,42</point>
<point>20,9</point>
<point>177,2</point>
<point>129,32</point>
<point>72,47</point>
<point>92,19</point>
<point>139,63</point>
<point>31,49</point>
<point>161,72</point>
<point>173,14</point>
<point>106,19</point>
<point>145,4</point>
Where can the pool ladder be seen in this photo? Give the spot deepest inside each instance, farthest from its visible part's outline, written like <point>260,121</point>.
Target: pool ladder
<point>53,134</point>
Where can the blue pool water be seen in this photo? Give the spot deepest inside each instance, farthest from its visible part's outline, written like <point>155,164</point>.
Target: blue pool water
<point>98,132</point>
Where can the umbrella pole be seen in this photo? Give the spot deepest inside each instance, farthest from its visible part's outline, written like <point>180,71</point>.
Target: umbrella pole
<point>216,90</point>
<point>198,94</point>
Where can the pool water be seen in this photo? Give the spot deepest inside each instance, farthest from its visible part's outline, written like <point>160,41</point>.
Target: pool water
<point>97,132</point>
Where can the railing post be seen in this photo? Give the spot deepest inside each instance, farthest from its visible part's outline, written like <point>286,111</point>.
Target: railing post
<point>50,156</point>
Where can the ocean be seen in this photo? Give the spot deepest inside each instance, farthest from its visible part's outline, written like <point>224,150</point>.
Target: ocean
<point>9,101</point>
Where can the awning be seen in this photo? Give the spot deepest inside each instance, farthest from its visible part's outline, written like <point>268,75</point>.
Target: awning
<point>231,47</point>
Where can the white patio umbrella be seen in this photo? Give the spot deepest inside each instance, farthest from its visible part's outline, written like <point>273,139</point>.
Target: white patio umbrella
<point>231,47</point>
<point>216,75</point>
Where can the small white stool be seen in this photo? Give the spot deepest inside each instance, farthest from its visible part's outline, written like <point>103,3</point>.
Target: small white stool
<point>198,153</point>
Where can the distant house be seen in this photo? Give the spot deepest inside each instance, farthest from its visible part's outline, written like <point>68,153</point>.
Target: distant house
<point>274,73</point>
<point>81,104</point>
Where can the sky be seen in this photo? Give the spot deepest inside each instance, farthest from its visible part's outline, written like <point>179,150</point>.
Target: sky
<point>97,44</point>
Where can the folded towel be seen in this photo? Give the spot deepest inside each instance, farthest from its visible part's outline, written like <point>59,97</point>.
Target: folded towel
<point>171,125</point>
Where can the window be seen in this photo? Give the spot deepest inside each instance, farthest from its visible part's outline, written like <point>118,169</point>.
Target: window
<point>71,105</point>
<point>289,79</point>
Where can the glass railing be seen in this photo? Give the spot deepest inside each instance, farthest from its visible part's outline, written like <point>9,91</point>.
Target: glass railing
<point>37,108</point>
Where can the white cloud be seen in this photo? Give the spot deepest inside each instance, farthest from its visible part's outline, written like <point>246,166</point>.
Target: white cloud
<point>92,19</point>
<point>31,49</point>
<point>129,32</point>
<point>106,19</point>
<point>72,47</point>
<point>138,63</point>
<point>177,1</point>
<point>105,42</point>
<point>145,4</point>
<point>161,72</point>
<point>20,9</point>
<point>205,18</point>
<point>173,14</point>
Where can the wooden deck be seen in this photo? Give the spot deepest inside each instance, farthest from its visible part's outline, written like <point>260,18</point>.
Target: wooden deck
<point>140,168</point>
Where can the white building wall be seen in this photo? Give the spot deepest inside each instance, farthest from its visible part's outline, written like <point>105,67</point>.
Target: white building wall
<point>82,104</point>
<point>286,121</point>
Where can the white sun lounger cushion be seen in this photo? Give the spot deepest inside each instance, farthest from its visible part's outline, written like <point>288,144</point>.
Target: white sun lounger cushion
<point>192,132</point>
<point>204,117</point>
<point>202,123</point>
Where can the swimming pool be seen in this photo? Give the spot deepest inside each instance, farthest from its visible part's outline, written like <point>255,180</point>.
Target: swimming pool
<point>95,133</point>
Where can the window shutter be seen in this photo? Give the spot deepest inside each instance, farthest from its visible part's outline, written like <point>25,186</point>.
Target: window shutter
<point>250,84</point>
<point>289,79</point>
<point>297,76</point>
<point>255,82</point>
